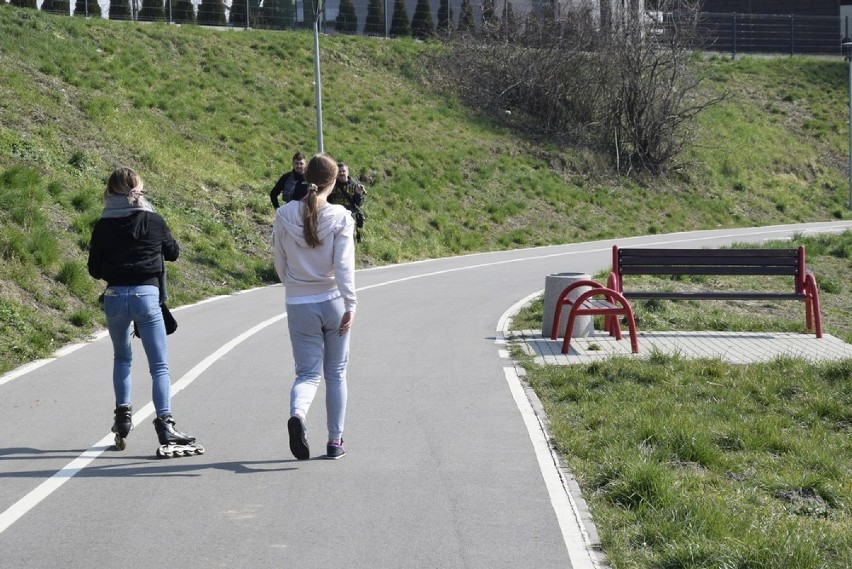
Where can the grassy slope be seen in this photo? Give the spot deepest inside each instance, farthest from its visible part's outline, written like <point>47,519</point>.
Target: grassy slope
<point>210,119</point>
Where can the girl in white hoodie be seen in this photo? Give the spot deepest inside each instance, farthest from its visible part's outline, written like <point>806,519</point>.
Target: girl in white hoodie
<point>315,259</point>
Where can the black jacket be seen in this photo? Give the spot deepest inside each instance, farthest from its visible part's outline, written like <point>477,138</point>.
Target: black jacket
<point>129,251</point>
<point>291,186</point>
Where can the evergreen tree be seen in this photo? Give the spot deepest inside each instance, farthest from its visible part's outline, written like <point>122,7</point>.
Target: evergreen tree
<point>509,24</point>
<point>278,14</point>
<point>93,7</point>
<point>309,8</point>
<point>422,26</point>
<point>183,12</point>
<point>25,3</point>
<point>489,14</point>
<point>466,23</point>
<point>445,24</point>
<point>375,24</point>
<point>152,11</point>
<point>237,14</point>
<point>56,7</point>
<point>119,10</point>
<point>347,19</point>
<point>400,24</point>
<point>212,13</point>
<point>491,25</point>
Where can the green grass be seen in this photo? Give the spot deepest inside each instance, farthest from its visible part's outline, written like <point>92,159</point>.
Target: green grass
<point>210,120</point>
<point>703,464</point>
<point>700,463</point>
<point>684,463</point>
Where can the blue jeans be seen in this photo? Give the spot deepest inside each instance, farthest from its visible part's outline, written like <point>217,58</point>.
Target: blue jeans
<point>124,305</point>
<point>319,351</point>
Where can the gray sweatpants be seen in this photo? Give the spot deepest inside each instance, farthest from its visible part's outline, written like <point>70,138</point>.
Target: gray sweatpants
<point>319,351</point>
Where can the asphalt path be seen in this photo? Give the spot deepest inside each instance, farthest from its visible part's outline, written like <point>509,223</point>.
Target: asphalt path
<point>447,466</point>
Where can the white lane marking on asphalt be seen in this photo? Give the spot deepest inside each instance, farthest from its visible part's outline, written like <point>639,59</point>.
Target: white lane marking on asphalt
<point>673,238</point>
<point>46,488</point>
<point>574,534</point>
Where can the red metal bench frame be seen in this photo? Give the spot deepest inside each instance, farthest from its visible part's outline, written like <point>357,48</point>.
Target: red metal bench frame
<point>611,307</point>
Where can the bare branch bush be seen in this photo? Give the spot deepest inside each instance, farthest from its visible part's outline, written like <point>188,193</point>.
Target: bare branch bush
<point>627,88</point>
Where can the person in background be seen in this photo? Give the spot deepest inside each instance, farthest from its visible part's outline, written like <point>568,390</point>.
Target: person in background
<point>349,193</point>
<point>290,186</point>
<point>129,243</point>
<point>315,259</point>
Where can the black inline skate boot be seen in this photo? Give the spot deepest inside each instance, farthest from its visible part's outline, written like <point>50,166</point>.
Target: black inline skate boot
<point>172,441</point>
<point>123,425</point>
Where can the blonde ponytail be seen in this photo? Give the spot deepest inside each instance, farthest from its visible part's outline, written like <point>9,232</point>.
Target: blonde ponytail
<point>310,216</point>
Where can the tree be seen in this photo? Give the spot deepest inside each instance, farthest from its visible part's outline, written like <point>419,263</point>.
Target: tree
<point>212,13</point>
<point>56,7</point>
<point>94,9</point>
<point>490,20</point>
<point>278,14</point>
<point>466,24</point>
<point>347,19</point>
<point>25,3</point>
<point>422,26</point>
<point>509,23</point>
<point>445,18</point>
<point>237,13</point>
<point>119,10</point>
<point>489,14</point>
<point>400,24</point>
<point>152,11</point>
<point>310,11</point>
<point>375,24</point>
<point>183,12</point>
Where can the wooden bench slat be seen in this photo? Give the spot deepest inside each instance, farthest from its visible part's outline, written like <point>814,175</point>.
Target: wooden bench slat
<point>707,270</point>
<point>709,253</point>
<point>707,295</point>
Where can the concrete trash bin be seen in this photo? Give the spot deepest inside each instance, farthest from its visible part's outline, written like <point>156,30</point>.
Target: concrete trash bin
<point>554,284</point>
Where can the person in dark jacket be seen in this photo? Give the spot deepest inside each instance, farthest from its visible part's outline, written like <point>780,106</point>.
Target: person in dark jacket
<point>129,244</point>
<point>349,193</point>
<point>291,186</point>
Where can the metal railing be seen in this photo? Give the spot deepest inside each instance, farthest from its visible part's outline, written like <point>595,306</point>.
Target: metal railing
<point>771,33</point>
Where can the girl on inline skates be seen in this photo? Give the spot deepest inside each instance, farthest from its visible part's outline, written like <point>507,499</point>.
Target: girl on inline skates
<point>129,243</point>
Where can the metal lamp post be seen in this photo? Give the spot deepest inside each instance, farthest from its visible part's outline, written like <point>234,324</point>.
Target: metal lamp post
<point>847,53</point>
<point>317,79</point>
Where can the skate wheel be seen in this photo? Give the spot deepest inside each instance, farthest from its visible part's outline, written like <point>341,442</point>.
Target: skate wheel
<point>199,450</point>
<point>164,452</point>
<point>120,442</point>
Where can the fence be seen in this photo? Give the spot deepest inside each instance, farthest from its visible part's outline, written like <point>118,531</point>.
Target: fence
<point>731,32</point>
<point>767,33</point>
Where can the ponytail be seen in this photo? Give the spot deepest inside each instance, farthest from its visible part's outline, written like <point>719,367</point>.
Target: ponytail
<point>310,216</point>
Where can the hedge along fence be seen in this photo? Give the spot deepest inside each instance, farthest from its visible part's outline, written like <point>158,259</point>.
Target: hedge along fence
<point>723,32</point>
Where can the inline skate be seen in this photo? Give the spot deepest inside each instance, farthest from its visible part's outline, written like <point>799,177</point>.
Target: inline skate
<point>123,425</point>
<point>173,443</point>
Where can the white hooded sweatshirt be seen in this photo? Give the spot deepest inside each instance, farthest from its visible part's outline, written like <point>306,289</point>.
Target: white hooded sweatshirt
<point>326,268</point>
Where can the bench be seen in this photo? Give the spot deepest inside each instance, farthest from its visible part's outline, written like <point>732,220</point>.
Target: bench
<point>760,262</point>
